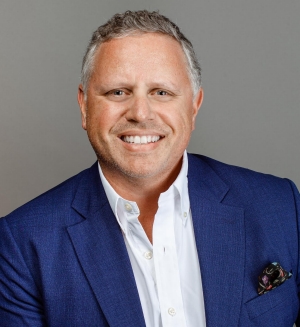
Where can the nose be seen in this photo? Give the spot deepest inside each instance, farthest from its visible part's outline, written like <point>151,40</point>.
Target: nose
<point>139,110</point>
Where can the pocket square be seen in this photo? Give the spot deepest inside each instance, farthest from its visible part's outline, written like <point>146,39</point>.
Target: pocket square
<point>271,277</point>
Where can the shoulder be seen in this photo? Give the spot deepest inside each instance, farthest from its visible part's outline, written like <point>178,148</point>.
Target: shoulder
<point>234,174</point>
<point>50,204</point>
<point>243,182</point>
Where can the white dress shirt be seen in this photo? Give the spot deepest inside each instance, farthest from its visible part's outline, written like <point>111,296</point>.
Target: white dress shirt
<point>167,273</point>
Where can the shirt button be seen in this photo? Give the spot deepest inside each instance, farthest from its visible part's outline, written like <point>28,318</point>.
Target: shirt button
<point>171,312</point>
<point>128,207</point>
<point>185,214</point>
<point>148,255</point>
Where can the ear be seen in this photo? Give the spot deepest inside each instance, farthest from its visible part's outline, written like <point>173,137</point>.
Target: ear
<point>197,102</point>
<point>82,104</point>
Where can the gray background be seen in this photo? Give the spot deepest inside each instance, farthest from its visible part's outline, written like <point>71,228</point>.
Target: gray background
<point>249,51</point>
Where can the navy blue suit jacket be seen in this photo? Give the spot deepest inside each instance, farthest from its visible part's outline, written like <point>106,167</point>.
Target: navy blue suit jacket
<point>63,261</point>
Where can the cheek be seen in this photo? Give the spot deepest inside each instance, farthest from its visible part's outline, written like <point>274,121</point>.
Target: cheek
<point>187,126</point>
<point>185,119</point>
<point>102,119</point>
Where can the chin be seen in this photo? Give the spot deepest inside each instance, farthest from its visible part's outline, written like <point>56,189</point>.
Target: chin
<point>132,168</point>
<point>138,172</point>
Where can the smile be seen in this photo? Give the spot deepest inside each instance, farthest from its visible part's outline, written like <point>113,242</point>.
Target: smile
<point>136,139</point>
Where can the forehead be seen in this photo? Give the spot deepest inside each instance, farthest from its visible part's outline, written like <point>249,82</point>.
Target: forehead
<point>140,39</point>
<point>142,51</point>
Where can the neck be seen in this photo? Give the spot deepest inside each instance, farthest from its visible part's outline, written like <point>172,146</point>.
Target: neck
<point>144,191</point>
<point>139,188</point>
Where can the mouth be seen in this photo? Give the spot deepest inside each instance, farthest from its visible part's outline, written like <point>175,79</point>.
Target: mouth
<point>138,139</point>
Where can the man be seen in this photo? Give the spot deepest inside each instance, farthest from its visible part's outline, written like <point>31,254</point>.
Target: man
<point>149,236</point>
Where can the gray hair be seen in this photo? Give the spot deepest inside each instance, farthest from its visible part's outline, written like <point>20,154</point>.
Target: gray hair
<point>143,21</point>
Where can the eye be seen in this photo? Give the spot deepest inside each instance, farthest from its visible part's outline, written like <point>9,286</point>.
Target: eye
<point>117,92</point>
<point>162,95</point>
<point>161,92</point>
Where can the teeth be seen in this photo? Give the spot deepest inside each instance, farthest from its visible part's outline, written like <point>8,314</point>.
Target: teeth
<point>140,139</point>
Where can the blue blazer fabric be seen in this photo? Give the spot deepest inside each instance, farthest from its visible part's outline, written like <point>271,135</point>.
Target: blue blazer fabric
<point>63,260</point>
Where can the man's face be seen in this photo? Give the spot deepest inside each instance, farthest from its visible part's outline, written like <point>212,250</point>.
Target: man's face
<point>139,109</point>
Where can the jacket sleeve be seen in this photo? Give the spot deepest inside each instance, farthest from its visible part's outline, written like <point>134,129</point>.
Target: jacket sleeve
<point>297,208</point>
<point>20,298</point>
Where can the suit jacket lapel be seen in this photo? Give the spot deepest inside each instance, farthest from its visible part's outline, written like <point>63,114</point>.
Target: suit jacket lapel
<point>100,247</point>
<point>220,240</point>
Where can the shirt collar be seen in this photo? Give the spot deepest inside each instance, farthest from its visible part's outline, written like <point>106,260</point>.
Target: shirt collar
<point>180,184</point>
<point>111,194</point>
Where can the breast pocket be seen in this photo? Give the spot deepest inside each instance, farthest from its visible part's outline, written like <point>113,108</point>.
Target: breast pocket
<point>284,296</point>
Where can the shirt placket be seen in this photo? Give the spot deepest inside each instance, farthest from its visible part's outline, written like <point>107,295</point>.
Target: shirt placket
<point>166,266</point>
<point>138,239</point>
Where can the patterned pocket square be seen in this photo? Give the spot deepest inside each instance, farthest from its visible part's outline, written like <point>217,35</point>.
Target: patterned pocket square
<point>272,276</point>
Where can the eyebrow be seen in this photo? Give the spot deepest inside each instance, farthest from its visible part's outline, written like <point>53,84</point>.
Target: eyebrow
<point>165,85</point>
